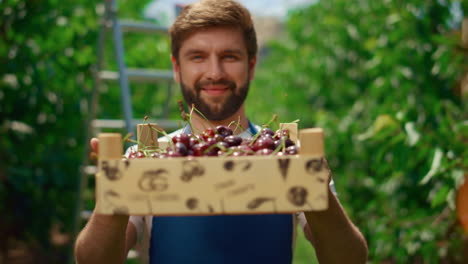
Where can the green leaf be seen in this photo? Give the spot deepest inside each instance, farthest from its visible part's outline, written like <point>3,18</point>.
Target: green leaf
<point>435,166</point>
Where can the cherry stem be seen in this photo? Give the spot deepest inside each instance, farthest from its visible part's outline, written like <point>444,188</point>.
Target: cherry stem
<point>273,119</point>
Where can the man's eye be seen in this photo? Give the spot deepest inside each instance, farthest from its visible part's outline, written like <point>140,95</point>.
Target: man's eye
<point>196,57</point>
<point>230,57</point>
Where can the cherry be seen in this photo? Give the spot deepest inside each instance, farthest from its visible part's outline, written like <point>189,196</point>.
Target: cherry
<point>292,150</point>
<point>182,138</point>
<point>281,133</point>
<point>245,149</point>
<point>264,152</point>
<point>137,155</point>
<point>193,141</point>
<point>224,131</point>
<point>246,141</point>
<point>287,142</point>
<point>173,154</point>
<point>218,138</point>
<point>208,133</point>
<point>233,140</point>
<point>199,149</point>
<point>211,141</point>
<point>180,148</point>
<point>266,131</point>
<point>264,142</point>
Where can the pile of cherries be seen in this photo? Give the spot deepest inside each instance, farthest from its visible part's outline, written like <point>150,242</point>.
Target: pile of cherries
<point>220,141</point>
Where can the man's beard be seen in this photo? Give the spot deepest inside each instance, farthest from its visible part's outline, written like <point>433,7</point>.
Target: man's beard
<point>220,109</point>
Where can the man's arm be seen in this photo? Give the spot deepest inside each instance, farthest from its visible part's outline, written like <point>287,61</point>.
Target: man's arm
<point>334,236</point>
<point>105,239</point>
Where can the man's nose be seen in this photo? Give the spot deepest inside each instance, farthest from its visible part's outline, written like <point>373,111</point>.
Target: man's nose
<point>215,70</point>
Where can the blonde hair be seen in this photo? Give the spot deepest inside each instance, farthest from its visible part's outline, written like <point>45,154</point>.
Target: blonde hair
<point>213,13</point>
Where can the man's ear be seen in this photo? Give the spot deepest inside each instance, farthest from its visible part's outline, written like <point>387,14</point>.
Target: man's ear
<point>175,69</point>
<point>252,64</point>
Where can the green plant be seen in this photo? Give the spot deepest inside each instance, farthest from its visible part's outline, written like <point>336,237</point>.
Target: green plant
<point>379,77</point>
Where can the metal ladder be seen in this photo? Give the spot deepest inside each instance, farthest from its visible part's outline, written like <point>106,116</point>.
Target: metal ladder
<point>124,76</point>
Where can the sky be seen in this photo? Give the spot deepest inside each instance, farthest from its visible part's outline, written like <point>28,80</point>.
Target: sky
<point>164,10</point>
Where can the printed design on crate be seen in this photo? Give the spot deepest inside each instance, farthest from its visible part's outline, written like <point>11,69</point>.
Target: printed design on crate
<point>192,203</point>
<point>191,169</point>
<point>241,181</point>
<point>238,165</point>
<point>113,201</point>
<point>314,166</point>
<point>154,180</point>
<point>283,167</point>
<point>259,201</point>
<point>297,195</point>
<point>112,172</point>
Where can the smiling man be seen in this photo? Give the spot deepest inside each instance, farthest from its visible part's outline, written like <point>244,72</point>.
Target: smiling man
<point>214,56</point>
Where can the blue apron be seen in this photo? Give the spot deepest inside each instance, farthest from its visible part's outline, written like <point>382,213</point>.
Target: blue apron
<point>222,239</point>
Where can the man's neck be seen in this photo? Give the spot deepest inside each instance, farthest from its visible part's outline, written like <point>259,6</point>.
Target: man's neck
<point>238,120</point>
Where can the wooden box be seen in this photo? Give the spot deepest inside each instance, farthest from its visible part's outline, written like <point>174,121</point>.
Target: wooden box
<point>212,185</point>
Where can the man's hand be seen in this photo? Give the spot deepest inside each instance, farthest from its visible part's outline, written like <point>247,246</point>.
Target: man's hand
<point>106,238</point>
<point>335,238</point>
<point>94,142</point>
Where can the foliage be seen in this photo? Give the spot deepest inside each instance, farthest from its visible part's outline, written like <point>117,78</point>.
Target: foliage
<point>380,78</point>
<point>45,60</point>
<point>47,51</point>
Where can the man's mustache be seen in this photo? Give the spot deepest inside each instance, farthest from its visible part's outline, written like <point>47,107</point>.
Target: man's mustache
<point>230,84</point>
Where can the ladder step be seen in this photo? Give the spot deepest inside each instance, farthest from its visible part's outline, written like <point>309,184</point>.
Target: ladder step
<point>118,123</point>
<point>142,27</point>
<point>139,75</point>
<point>90,169</point>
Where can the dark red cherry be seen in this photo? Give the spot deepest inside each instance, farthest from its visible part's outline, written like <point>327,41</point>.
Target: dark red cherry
<point>281,133</point>
<point>233,140</point>
<point>199,149</point>
<point>173,154</point>
<point>292,150</point>
<point>266,131</point>
<point>208,133</point>
<point>264,152</point>
<point>182,138</point>
<point>180,148</point>
<point>224,131</point>
<point>264,142</point>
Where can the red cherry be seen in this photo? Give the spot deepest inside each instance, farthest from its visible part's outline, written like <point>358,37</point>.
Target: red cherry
<point>292,150</point>
<point>224,131</point>
<point>182,138</point>
<point>281,133</point>
<point>137,155</point>
<point>264,152</point>
<point>264,142</point>
<point>180,148</point>
<point>208,133</point>
<point>233,140</point>
<point>266,131</point>
<point>199,149</point>
<point>173,154</point>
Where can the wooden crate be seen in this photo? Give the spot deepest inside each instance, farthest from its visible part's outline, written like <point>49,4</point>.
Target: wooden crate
<point>212,185</point>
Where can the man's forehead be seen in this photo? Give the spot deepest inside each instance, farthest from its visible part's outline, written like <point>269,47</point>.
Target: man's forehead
<point>223,38</point>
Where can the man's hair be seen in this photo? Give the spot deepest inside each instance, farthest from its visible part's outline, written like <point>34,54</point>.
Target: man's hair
<point>213,13</point>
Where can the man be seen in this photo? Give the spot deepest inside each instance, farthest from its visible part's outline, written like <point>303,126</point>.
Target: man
<point>214,56</point>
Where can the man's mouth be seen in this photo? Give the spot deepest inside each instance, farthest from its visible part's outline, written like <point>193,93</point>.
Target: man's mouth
<point>215,90</point>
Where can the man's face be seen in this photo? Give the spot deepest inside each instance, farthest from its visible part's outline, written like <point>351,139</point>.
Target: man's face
<point>214,71</point>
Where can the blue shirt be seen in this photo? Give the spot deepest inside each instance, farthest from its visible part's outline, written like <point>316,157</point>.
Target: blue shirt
<point>222,239</point>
